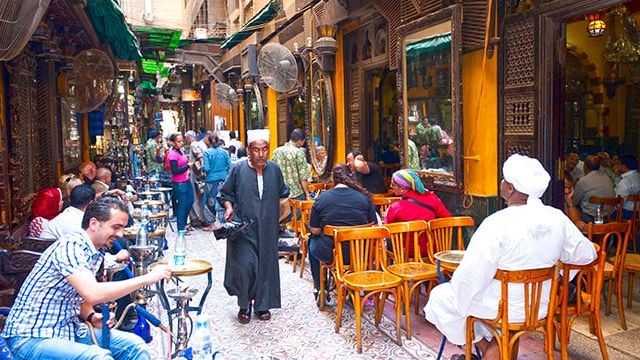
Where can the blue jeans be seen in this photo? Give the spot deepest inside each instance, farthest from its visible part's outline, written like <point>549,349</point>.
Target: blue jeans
<point>302,196</point>
<point>211,190</point>
<point>183,195</point>
<point>123,346</point>
<point>320,250</point>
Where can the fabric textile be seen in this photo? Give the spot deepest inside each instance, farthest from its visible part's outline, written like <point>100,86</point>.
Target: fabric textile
<point>629,184</point>
<point>522,237</point>
<point>36,226</point>
<point>180,174</point>
<point>373,180</point>
<point>595,183</point>
<point>293,163</point>
<point>251,267</point>
<point>414,156</point>
<point>154,155</point>
<point>527,175</point>
<point>216,164</point>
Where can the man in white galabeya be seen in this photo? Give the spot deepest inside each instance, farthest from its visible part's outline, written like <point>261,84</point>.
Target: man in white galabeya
<point>525,235</point>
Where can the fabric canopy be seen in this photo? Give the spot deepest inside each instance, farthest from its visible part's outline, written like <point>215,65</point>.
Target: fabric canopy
<point>110,25</point>
<point>429,45</point>
<point>265,15</point>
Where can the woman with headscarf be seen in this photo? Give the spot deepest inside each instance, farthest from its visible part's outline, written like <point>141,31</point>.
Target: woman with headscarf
<point>46,205</point>
<point>417,203</point>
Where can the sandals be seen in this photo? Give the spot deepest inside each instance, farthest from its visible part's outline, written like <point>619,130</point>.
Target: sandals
<point>244,315</point>
<point>263,315</point>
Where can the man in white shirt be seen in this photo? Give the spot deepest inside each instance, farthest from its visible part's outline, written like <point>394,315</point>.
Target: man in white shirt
<point>70,220</point>
<point>234,142</point>
<point>525,235</point>
<point>629,183</point>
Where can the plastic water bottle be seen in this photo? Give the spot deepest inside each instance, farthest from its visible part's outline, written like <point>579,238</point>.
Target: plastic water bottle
<point>201,346</point>
<point>141,239</point>
<point>599,217</point>
<point>145,213</point>
<point>180,250</point>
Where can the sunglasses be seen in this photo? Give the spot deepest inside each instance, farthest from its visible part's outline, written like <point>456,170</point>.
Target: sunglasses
<point>69,178</point>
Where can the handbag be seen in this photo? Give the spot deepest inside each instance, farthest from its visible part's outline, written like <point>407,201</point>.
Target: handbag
<point>420,203</point>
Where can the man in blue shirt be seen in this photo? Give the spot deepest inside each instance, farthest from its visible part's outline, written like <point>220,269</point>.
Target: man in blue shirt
<point>216,165</point>
<point>45,322</point>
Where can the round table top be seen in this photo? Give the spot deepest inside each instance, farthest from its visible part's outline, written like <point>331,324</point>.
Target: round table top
<point>192,267</point>
<point>449,259</point>
<point>132,232</point>
<point>148,202</point>
<point>154,216</point>
<point>163,189</point>
<point>149,193</point>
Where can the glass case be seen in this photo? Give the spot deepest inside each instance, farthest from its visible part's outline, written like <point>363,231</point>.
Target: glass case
<point>71,135</point>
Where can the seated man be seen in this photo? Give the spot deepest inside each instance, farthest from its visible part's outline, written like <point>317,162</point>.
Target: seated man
<point>525,235</point>
<point>629,182</point>
<point>61,290</point>
<point>102,181</point>
<point>70,220</point>
<point>593,183</point>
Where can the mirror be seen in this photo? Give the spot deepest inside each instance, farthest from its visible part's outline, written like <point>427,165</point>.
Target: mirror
<point>320,121</point>
<point>431,97</point>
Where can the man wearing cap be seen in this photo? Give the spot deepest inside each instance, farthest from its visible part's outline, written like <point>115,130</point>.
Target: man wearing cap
<point>525,235</point>
<point>252,191</point>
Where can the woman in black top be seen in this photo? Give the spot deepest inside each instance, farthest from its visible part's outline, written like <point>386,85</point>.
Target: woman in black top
<point>347,204</point>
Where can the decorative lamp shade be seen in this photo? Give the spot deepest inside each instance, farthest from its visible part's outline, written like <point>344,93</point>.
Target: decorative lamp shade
<point>596,25</point>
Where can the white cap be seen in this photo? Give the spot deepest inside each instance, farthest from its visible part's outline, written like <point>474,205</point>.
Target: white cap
<point>527,175</point>
<point>257,134</point>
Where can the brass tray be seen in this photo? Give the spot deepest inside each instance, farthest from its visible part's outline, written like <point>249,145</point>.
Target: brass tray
<point>132,232</point>
<point>159,215</point>
<point>450,256</point>
<point>163,188</point>
<point>192,267</point>
<point>148,202</point>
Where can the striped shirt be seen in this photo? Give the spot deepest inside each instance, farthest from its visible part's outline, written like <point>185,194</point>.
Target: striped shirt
<point>47,305</point>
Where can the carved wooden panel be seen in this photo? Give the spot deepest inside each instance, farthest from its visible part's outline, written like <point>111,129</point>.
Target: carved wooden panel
<point>519,113</point>
<point>5,208</point>
<point>474,24</point>
<point>392,12</point>
<point>522,147</point>
<point>45,128</point>
<point>520,53</point>
<point>283,120</point>
<point>292,30</point>
<point>354,110</point>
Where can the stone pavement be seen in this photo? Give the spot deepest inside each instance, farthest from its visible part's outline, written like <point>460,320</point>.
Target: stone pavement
<point>299,330</point>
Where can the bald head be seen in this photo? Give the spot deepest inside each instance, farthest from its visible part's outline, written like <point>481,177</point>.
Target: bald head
<point>87,170</point>
<point>591,163</point>
<point>104,175</point>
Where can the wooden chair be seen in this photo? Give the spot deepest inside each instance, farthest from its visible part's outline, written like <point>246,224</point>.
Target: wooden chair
<point>363,277</point>
<point>506,333</point>
<point>330,230</point>
<point>295,228</point>
<point>443,231</point>
<point>610,207</point>
<point>632,261</point>
<point>319,187</point>
<point>613,268</point>
<point>412,271</point>
<point>383,203</point>
<point>303,237</point>
<point>589,280</point>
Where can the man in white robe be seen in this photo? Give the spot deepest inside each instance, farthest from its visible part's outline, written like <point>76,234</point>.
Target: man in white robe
<point>525,235</point>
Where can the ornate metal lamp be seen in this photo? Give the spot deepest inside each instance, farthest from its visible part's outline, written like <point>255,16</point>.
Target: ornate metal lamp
<point>596,26</point>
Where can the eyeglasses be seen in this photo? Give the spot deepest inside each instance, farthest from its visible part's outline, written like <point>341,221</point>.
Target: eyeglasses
<point>69,178</point>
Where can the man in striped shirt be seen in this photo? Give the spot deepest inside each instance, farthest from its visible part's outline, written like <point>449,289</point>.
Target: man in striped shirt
<point>46,320</point>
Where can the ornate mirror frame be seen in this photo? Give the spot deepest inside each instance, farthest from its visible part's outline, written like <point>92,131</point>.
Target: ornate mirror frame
<point>435,180</point>
<point>314,75</point>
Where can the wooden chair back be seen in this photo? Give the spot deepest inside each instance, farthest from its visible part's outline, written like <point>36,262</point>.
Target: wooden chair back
<point>442,232</point>
<point>616,232</point>
<point>295,207</point>
<point>533,283</point>
<point>305,212</point>
<point>365,245</point>
<point>610,207</point>
<point>330,230</point>
<point>405,235</point>
<point>383,203</point>
<point>635,219</point>
<point>318,188</point>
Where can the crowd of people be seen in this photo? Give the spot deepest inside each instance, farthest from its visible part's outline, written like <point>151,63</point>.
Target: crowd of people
<point>216,183</point>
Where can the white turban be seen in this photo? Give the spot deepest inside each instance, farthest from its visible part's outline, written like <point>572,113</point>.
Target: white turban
<point>527,175</point>
<point>257,134</point>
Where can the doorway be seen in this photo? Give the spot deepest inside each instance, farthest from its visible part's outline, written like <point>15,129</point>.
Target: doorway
<point>379,127</point>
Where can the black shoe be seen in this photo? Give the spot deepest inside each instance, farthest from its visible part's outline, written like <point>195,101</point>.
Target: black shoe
<point>286,234</point>
<point>230,228</point>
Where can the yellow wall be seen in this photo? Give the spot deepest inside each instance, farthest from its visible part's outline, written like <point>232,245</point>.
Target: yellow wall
<point>339,96</point>
<point>272,118</point>
<point>480,128</point>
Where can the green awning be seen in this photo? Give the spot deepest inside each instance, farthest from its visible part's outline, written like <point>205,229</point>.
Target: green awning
<point>429,45</point>
<point>154,67</point>
<point>108,21</point>
<point>265,15</point>
<point>153,39</point>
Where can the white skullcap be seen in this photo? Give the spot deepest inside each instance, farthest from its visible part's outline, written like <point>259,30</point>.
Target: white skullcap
<point>257,134</point>
<point>527,175</point>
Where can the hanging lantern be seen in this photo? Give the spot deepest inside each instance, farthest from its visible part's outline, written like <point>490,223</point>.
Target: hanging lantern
<point>596,25</point>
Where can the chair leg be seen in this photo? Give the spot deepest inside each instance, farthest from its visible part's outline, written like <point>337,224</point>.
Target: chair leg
<point>407,314</point>
<point>598,332</point>
<point>341,299</point>
<point>295,261</point>
<point>629,288</point>
<point>620,302</point>
<point>607,309</point>
<point>358,309</point>
<point>416,299</point>
<point>513,353</point>
<point>323,276</point>
<point>398,305</point>
<point>469,338</point>
<point>303,256</point>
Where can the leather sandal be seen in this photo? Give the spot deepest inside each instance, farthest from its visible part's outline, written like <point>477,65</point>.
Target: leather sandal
<point>244,316</point>
<point>263,315</point>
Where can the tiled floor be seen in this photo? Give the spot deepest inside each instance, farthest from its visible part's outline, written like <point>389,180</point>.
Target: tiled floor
<point>300,331</point>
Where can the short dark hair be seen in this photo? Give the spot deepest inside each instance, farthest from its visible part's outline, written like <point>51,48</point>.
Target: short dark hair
<point>242,152</point>
<point>231,149</point>
<point>100,209</point>
<point>630,161</point>
<point>592,163</point>
<point>213,140</point>
<point>232,134</point>
<point>153,133</point>
<point>297,135</point>
<point>81,196</point>
<point>355,153</point>
<point>174,137</point>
